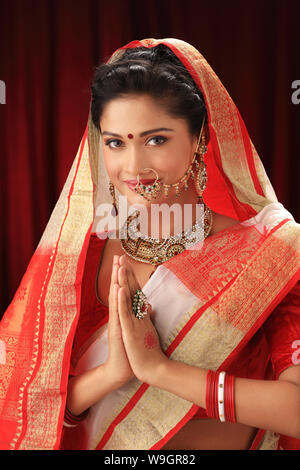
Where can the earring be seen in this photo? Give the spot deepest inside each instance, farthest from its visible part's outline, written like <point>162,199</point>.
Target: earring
<point>200,180</point>
<point>200,168</point>
<point>184,180</point>
<point>114,210</point>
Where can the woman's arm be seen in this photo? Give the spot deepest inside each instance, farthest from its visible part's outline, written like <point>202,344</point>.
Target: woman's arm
<point>265,404</point>
<point>86,389</point>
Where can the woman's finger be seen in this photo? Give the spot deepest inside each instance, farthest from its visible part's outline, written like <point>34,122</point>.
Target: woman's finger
<point>123,282</point>
<point>132,281</point>
<point>125,315</point>
<point>133,284</point>
<point>113,297</point>
<point>114,274</point>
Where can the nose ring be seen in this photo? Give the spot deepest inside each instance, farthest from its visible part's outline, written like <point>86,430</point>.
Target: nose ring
<point>149,191</point>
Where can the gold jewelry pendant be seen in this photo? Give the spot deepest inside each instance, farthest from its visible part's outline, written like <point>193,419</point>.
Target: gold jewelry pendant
<point>114,210</point>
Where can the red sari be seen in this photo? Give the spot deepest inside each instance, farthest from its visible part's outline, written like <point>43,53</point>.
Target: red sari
<point>273,342</point>
<point>268,353</point>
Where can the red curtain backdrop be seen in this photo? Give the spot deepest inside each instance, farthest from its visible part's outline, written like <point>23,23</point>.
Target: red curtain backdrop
<point>49,50</point>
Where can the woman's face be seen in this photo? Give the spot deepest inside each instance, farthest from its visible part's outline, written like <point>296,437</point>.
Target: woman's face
<point>137,133</point>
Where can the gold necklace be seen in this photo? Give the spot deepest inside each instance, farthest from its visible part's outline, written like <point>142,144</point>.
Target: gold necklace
<point>156,251</point>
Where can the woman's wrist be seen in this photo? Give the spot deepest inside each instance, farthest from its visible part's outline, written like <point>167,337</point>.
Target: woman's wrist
<point>114,379</point>
<point>156,377</point>
<point>170,375</point>
<point>86,389</point>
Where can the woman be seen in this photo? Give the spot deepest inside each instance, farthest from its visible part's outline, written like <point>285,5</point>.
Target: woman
<point>138,344</point>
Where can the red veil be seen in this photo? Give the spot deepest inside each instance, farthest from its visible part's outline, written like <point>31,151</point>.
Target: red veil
<point>38,328</point>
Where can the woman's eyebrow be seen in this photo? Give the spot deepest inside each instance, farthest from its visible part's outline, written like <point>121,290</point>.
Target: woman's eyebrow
<point>142,134</point>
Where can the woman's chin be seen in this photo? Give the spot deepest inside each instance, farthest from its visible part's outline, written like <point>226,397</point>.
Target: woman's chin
<point>134,199</point>
<point>137,200</point>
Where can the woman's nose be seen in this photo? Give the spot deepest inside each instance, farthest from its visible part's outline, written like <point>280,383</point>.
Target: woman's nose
<point>134,162</point>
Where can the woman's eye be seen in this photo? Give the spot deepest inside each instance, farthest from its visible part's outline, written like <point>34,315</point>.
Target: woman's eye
<point>116,143</point>
<point>158,140</point>
<point>113,143</point>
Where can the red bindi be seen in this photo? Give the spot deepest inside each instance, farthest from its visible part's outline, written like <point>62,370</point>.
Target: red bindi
<point>130,136</point>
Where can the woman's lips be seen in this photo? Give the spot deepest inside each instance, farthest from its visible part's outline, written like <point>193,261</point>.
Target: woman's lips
<point>143,181</point>
<point>132,183</point>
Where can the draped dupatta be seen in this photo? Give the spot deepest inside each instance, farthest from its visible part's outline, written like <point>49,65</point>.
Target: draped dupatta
<point>237,279</point>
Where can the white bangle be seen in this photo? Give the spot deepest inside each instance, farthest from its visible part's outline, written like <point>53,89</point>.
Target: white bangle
<point>221,407</point>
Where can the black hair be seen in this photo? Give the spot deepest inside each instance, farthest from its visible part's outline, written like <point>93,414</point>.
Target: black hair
<point>155,71</point>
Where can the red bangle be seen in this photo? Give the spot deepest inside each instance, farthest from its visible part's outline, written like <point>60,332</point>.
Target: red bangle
<point>211,396</point>
<point>229,398</point>
<point>216,406</point>
<point>208,393</point>
<point>73,420</point>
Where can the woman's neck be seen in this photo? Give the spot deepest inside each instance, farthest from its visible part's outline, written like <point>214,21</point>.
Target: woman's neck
<point>171,216</point>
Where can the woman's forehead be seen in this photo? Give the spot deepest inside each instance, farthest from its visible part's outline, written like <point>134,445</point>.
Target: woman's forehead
<point>140,114</point>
